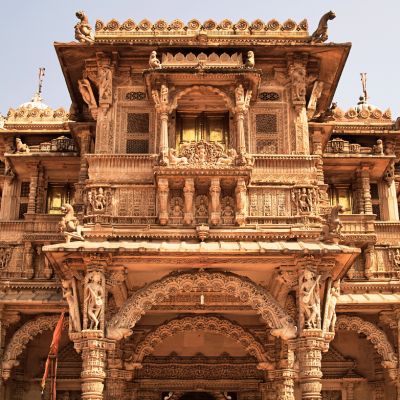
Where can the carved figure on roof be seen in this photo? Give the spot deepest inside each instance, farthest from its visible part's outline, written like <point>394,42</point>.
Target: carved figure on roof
<point>83,31</point>
<point>250,62</point>
<point>378,148</point>
<point>310,311</point>
<point>94,297</point>
<point>70,225</point>
<point>321,33</point>
<point>21,147</point>
<point>154,62</point>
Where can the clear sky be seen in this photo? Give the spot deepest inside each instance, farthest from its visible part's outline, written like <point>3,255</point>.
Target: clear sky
<point>28,29</point>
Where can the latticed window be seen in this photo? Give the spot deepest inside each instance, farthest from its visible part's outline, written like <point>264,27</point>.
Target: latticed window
<point>23,199</point>
<point>269,96</point>
<point>138,123</point>
<point>266,123</point>
<point>24,189</point>
<point>135,96</point>
<point>134,146</point>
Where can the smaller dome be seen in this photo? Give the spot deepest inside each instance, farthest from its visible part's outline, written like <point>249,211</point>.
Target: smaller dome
<point>363,105</point>
<point>36,102</point>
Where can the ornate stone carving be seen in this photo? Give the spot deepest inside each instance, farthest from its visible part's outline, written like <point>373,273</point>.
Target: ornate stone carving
<point>154,62</point>
<point>240,287</point>
<point>250,61</point>
<point>105,85</point>
<point>203,60</point>
<point>377,337</point>
<point>188,192</point>
<point>202,324</point>
<point>21,338</point>
<point>98,200</point>
<point>94,298</point>
<point>83,31</point>
<point>162,193</point>
<point>297,75</point>
<point>21,147</point>
<point>241,202</point>
<point>304,200</point>
<point>354,114</point>
<point>70,294</point>
<point>201,212</point>
<point>227,210</point>
<point>176,210</point>
<point>215,193</point>
<point>85,88</point>
<point>309,300</point>
<point>5,257</point>
<point>321,33</point>
<point>69,224</point>
<point>173,159</point>
<point>331,298</point>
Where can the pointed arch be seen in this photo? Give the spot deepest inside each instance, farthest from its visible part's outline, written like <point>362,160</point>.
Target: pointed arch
<point>23,336</point>
<point>211,324</point>
<point>228,283</point>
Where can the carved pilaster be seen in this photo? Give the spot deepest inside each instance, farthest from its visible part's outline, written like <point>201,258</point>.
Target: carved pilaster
<point>215,193</point>
<point>161,100</point>
<point>33,189</point>
<point>242,99</point>
<point>29,270</point>
<point>366,190</point>
<point>284,386</point>
<point>188,192</point>
<point>84,136</point>
<point>162,193</point>
<point>241,202</point>
<point>116,377</point>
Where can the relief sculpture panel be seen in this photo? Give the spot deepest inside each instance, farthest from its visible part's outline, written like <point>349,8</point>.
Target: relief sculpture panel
<point>269,202</point>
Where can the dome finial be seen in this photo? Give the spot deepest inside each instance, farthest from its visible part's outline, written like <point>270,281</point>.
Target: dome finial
<point>364,86</point>
<point>38,94</point>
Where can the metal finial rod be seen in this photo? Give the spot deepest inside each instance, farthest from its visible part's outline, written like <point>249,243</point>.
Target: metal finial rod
<point>364,84</point>
<point>41,76</point>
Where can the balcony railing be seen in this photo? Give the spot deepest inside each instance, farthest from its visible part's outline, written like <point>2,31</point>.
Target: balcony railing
<point>388,232</point>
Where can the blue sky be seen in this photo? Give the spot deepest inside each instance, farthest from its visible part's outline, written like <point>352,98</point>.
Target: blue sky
<point>29,28</point>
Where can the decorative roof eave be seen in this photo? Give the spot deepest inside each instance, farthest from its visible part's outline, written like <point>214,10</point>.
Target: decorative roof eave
<point>130,31</point>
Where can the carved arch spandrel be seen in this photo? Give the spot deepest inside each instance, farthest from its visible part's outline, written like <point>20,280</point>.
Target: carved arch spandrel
<point>212,89</point>
<point>238,286</point>
<point>23,336</point>
<point>211,324</point>
<point>376,336</point>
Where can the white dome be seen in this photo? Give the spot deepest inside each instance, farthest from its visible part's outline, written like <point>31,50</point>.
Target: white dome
<point>36,102</point>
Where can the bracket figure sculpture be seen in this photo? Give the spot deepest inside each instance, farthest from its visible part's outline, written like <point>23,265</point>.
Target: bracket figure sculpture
<point>320,35</point>
<point>250,62</point>
<point>332,297</point>
<point>70,294</point>
<point>333,227</point>
<point>154,62</point>
<point>69,224</point>
<point>309,299</point>
<point>21,147</point>
<point>83,30</point>
<point>94,298</point>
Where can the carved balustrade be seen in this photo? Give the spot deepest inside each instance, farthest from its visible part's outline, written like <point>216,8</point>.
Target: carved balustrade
<point>387,232</point>
<point>358,227</point>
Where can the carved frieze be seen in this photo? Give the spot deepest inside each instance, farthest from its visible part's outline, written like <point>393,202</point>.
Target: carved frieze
<point>266,202</point>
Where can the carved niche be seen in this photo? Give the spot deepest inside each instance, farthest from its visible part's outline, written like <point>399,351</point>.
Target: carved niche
<point>5,257</point>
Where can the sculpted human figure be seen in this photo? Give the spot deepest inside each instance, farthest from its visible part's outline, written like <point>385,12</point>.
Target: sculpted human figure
<point>100,200</point>
<point>378,148</point>
<point>239,94</point>
<point>70,296</point>
<point>202,208</point>
<point>83,31</point>
<point>94,297</point>
<point>310,300</point>
<point>297,74</point>
<point>250,62</point>
<point>69,224</point>
<point>105,83</point>
<point>321,33</point>
<point>177,211</point>
<point>304,203</point>
<point>154,62</point>
<point>332,298</point>
<point>174,159</point>
<point>87,93</point>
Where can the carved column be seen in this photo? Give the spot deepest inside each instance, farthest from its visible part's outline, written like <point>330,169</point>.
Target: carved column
<point>117,377</point>
<point>188,193</point>
<point>366,189</point>
<point>33,189</point>
<point>161,101</point>
<point>163,191</point>
<point>284,388</point>
<point>84,136</point>
<point>242,99</point>
<point>388,200</point>
<point>241,201</point>
<point>8,210</point>
<point>29,270</point>
<point>215,192</point>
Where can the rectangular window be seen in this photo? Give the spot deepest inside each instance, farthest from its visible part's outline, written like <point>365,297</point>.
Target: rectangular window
<point>57,196</point>
<point>137,146</point>
<point>138,123</point>
<point>266,123</point>
<point>23,199</point>
<point>137,133</point>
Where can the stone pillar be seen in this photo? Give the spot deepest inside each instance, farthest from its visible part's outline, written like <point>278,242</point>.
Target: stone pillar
<point>188,193</point>
<point>33,188</point>
<point>242,99</point>
<point>94,349</point>
<point>215,193</point>
<point>8,210</point>
<point>241,139</point>
<point>84,136</point>
<point>164,132</point>
<point>241,201</point>
<point>284,388</point>
<point>163,191</point>
<point>366,189</point>
<point>349,388</point>
<point>388,201</point>
<point>116,377</point>
<point>161,101</point>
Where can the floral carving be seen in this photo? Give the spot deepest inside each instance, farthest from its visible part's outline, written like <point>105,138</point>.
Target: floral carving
<point>377,337</point>
<point>205,324</point>
<point>21,338</point>
<point>240,287</point>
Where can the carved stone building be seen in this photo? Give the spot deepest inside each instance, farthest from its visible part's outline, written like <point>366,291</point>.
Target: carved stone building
<point>226,233</point>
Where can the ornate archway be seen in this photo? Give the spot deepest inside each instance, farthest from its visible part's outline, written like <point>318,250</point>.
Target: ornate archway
<point>227,283</point>
<point>212,89</point>
<point>376,336</point>
<point>22,337</point>
<point>210,324</point>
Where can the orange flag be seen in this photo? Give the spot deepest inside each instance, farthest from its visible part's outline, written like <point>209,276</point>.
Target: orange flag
<point>51,362</point>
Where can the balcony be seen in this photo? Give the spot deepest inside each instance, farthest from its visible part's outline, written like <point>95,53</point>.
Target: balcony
<point>388,232</point>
